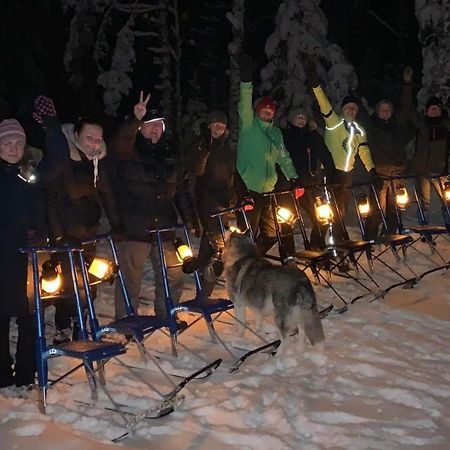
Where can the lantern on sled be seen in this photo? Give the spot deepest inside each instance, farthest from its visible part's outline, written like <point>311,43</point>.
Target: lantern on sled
<point>102,270</point>
<point>447,191</point>
<point>324,213</point>
<point>401,197</point>
<point>185,256</point>
<point>363,206</point>
<point>285,216</point>
<point>51,278</point>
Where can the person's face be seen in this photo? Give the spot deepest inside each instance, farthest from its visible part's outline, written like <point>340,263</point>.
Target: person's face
<point>434,111</point>
<point>300,121</point>
<point>384,111</point>
<point>153,130</point>
<point>90,138</point>
<point>12,148</point>
<point>266,114</point>
<point>217,129</point>
<point>349,111</point>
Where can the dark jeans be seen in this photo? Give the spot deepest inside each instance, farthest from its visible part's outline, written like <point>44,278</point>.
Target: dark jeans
<point>25,360</point>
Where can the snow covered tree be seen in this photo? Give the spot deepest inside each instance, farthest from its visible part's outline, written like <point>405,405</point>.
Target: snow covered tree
<point>236,17</point>
<point>300,32</point>
<point>103,48</point>
<point>434,34</point>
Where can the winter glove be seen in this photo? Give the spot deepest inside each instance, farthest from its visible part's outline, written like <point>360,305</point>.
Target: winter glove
<point>408,75</point>
<point>43,107</point>
<point>311,73</point>
<point>248,203</point>
<point>247,66</point>
<point>296,186</point>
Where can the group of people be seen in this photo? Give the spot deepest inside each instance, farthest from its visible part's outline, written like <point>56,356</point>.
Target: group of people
<point>137,179</point>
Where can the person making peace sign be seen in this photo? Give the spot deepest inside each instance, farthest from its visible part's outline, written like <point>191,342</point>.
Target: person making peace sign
<point>148,177</point>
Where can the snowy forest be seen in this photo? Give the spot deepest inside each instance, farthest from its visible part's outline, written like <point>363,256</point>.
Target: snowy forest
<point>94,56</point>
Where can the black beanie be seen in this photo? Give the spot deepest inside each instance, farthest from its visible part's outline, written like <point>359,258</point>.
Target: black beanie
<point>349,99</point>
<point>216,116</point>
<point>434,101</point>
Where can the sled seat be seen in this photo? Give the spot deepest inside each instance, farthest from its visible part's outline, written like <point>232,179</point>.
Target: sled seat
<point>89,351</point>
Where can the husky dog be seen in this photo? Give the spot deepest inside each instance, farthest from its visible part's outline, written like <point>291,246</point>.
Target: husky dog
<point>254,282</point>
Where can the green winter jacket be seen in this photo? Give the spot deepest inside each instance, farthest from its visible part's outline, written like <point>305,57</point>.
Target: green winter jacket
<point>344,139</point>
<point>260,148</point>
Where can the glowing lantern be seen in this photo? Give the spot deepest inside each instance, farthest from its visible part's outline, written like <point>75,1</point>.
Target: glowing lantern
<point>447,191</point>
<point>234,229</point>
<point>285,216</point>
<point>363,206</point>
<point>185,256</point>
<point>401,197</point>
<point>324,213</point>
<point>102,270</point>
<point>51,279</point>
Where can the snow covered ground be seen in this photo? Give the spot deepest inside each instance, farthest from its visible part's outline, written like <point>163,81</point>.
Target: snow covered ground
<point>382,382</point>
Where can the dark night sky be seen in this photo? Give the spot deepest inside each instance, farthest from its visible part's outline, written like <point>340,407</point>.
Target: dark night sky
<point>33,36</point>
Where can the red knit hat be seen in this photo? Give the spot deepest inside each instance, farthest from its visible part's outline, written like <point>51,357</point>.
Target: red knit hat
<point>11,127</point>
<point>266,103</point>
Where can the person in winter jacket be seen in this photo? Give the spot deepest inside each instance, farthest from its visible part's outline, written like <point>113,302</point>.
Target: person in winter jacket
<point>21,224</point>
<point>345,139</point>
<point>432,152</point>
<point>74,197</point>
<point>149,186</point>
<point>309,154</point>
<point>260,150</point>
<point>388,134</point>
<point>213,162</point>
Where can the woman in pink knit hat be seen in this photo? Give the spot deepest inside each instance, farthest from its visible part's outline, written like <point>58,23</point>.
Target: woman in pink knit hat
<point>19,213</point>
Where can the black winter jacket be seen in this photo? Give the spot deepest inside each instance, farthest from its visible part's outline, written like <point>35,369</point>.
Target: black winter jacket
<point>22,212</point>
<point>308,152</point>
<point>213,162</point>
<point>388,139</point>
<point>150,185</point>
<point>73,203</point>
<point>432,152</point>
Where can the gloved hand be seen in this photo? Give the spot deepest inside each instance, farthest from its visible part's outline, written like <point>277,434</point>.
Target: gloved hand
<point>247,66</point>
<point>296,185</point>
<point>375,179</point>
<point>248,203</point>
<point>408,75</point>
<point>312,76</point>
<point>43,107</point>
